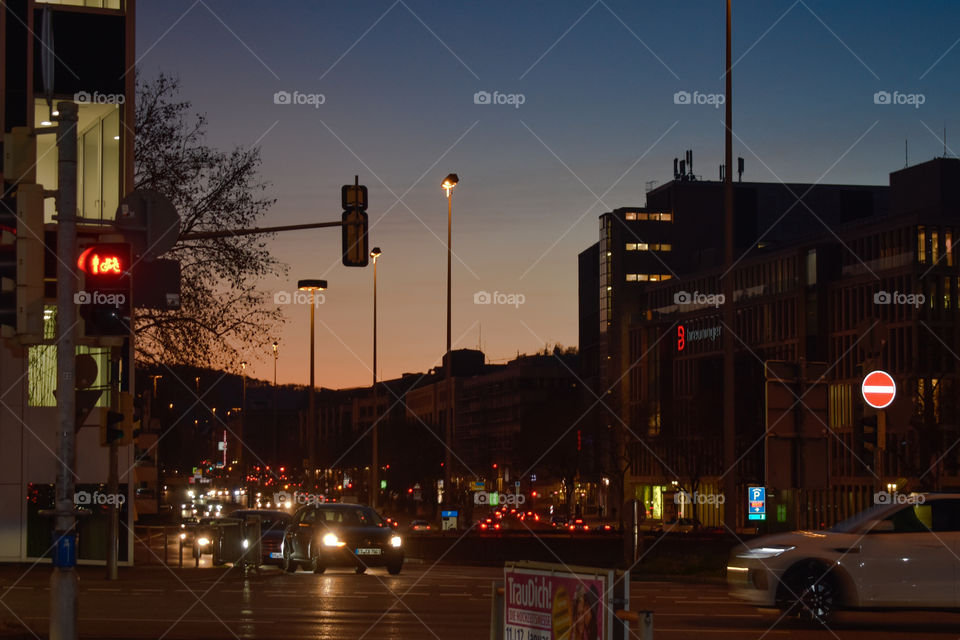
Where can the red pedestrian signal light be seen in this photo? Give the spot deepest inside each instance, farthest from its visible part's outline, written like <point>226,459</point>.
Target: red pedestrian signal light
<point>95,261</point>
<point>105,295</point>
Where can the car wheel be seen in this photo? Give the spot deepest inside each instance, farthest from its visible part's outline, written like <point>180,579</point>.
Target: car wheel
<point>289,564</point>
<point>316,564</point>
<point>394,568</point>
<point>810,592</point>
<point>360,569</point>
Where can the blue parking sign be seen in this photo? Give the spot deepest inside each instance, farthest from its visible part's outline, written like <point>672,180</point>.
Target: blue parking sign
<point>756,503</point>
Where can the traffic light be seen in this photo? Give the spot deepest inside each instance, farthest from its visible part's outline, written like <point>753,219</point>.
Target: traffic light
<point>353,199</point>
<point>21,263</point>
<point>117,426</point>
<point>105,294</point>
<point>866,434</point>
<point>8,265</point>
<point>355,244</point>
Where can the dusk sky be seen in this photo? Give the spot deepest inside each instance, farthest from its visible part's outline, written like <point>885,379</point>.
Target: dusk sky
<point>597,121</point>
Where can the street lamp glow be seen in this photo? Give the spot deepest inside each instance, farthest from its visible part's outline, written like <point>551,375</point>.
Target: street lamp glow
<point>312,285</point>
<point>375,253</point>
<point>450,182</point>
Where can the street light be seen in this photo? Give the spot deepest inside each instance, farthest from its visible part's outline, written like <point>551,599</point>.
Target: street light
<point>275,353</point>
<point>375,458</point>
<point>448,184</point>
<point>243,417</point>
<point>311,286</point>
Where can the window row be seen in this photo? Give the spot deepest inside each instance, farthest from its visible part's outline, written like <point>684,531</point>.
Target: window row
<point>640,215</point>
<point>648,277</point>
<point>644,246</point>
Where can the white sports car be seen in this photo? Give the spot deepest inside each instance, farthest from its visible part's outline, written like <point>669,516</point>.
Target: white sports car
<point>905,554</point>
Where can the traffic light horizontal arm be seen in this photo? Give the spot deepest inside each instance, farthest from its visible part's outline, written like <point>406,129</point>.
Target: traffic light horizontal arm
<point>206,235</point>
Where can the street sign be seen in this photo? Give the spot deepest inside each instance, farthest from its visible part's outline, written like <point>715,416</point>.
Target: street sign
<point>756,503</point>
<point>878,389</point>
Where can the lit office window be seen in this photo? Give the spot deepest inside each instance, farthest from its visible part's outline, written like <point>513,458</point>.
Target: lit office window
<point>921,245</point>
<point>631,277</point>
<point>630,215</point>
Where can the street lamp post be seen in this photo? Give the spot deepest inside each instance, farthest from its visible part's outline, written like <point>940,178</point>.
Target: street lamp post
<point>243,421</point>
<point>374,457</point>
<point>276,462</point>
<point>312,286</point>
<point>448,184</point>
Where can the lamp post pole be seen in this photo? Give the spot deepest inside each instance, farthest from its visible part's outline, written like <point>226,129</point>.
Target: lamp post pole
<point>448,184</point>
<point>312,286</point>
<point>374,457</point>
<point>276,462</point>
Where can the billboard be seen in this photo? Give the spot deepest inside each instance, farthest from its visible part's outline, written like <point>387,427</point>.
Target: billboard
<point>561,603</point>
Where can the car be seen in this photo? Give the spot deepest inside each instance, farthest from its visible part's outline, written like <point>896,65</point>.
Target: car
<point>273,524</point>
<point>681,525</point>
<point>577,525</point>
<point>198,534</point>
<point>336,534</point>
<point>902,553</point>
<point>488,525</point>
<point>420,525</point>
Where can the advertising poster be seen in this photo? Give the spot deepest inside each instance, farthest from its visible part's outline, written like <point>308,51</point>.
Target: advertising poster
<point>546,605</point>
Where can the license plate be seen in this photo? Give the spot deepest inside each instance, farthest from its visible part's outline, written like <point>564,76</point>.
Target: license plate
<point>368,552</point>
<point>276,554</point>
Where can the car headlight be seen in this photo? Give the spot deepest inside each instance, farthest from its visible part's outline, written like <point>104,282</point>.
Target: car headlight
<point>767,551</point>
<point>331,540</point>
<point>203,542</point>
<point>395,541</point>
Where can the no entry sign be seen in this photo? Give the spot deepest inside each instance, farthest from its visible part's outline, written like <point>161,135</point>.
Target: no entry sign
<point>879,389</point>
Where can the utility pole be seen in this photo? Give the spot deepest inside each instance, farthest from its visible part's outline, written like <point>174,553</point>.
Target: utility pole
<point>64,603</point>
<point>730,479</point>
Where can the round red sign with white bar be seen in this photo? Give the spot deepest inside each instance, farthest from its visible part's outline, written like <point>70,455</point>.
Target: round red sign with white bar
<point>879,389</point>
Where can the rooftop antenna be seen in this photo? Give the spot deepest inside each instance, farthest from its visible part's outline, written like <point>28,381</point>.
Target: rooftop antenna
<point>944,140</point>
<point>479,336</point>
<point>906,154</point>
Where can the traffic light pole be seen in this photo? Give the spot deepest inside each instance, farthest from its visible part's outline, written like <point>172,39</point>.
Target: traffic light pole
<point>208,235</point>
<point>64,603</point>
<point>113,482</point>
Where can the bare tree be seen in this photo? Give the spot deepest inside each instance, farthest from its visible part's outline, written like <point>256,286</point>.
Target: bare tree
<point>221,307</point>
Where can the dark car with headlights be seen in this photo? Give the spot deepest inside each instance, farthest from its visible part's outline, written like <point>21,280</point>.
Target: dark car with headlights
<point>340,535</point>
<point>236,536</point>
